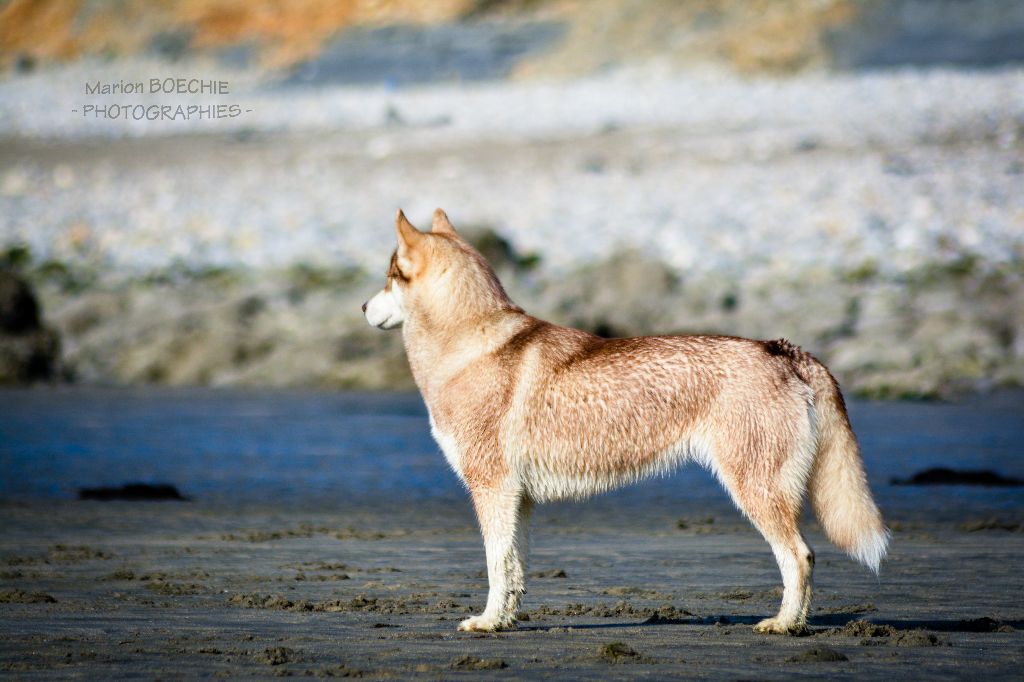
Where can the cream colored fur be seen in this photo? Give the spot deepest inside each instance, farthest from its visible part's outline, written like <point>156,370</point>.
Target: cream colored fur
<point>527,411</point>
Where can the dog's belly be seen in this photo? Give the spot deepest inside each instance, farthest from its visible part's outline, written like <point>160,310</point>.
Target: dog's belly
<point>559,475</point>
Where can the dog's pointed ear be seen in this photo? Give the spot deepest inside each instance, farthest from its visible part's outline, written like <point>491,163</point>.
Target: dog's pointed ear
<point>409,238</point>
<point>441,224</point>
<point>408,235</point>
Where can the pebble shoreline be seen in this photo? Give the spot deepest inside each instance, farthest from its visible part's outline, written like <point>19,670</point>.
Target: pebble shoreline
<point>708,171</point>
<point>875,219</point>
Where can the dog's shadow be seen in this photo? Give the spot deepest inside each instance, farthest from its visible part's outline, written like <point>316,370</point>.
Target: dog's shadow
<point>982,624</point>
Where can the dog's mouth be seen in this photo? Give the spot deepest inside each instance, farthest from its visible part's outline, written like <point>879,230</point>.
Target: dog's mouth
<point>385,324</point>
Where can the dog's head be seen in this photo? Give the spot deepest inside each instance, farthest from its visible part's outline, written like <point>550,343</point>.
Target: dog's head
<point>434,274</point>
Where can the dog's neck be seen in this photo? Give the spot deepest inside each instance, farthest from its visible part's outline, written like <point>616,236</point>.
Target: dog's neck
<point>438,349</point>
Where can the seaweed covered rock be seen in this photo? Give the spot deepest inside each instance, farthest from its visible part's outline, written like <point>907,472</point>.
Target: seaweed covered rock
<point>28,350</point>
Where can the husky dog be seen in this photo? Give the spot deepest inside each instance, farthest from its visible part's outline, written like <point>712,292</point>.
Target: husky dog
<point>526,411</point>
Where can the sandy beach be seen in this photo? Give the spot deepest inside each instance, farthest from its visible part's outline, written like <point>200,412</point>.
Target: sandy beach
<point>362,561</point>
<point>183,590</point>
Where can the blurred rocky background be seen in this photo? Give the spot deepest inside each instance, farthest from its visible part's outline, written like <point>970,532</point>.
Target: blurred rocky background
<point>844,173</point>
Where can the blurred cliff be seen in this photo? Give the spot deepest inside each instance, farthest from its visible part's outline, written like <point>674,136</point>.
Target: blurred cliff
<point>753,36</point>
<point>845,173</point>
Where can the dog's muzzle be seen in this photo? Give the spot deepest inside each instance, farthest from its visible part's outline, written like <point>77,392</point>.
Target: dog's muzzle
<point>384,311</point>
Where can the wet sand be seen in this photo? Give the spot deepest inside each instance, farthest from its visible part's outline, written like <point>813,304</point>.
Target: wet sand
<point>186,589</point>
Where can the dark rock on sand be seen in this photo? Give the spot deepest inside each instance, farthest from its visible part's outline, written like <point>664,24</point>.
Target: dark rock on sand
<point>863,628</point>
<point>916,638</point>
<point>944,476</point>
<point>28,350</point>
<point>983,624</point>
<point>669,615</point>
<point>75,554</point>
<point>550,573</point>
<point>474,663</point>
<point>278,655</point>
<point>175,589</point>
<point>990,524</point>
<point>616,652</point>
<point>133,492</point>
<point>23,597</point>
<point>874,634</point>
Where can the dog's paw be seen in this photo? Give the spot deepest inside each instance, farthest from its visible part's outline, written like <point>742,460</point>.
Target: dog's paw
<point>773,626</point>
<point>486,624</point>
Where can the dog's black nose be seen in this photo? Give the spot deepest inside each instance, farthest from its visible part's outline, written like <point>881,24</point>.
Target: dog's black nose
<point>364,307</point>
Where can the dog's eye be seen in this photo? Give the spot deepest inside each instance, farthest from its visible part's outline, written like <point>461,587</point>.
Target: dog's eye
<point>395,272</point>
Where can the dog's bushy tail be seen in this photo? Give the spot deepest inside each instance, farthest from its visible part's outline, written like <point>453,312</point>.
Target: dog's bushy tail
<point>839,489</point>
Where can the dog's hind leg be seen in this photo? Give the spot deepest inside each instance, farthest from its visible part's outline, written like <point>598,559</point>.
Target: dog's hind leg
<point>503,517</point>
<point>776,516</point>
<point>769,489</point>
<point>796,562</point>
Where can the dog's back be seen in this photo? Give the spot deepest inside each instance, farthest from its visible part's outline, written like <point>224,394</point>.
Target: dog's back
<point>584,414</point>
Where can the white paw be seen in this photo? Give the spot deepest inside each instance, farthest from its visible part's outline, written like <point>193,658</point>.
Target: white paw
<point>485,623</point>
<point>773,626</point>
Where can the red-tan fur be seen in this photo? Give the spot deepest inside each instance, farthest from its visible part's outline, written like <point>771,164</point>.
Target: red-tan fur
<point>527,411</point>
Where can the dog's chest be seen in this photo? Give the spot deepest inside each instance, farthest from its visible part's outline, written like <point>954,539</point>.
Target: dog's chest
<point>449,447</point>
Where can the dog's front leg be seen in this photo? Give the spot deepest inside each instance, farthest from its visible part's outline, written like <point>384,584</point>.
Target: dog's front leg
<point>503,517</point>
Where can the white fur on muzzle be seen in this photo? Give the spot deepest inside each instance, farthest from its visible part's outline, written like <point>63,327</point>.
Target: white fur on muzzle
<point>385,310</point>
